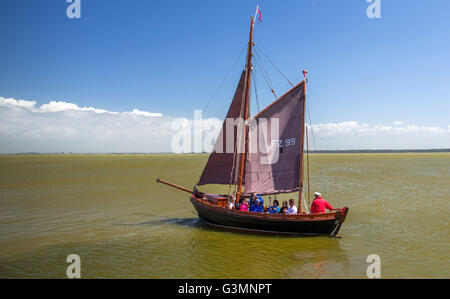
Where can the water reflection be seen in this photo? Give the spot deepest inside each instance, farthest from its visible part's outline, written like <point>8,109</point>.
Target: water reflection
<point>326,261</point>
<point>209,252</point>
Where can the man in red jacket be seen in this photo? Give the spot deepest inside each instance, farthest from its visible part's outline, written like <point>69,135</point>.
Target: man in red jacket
<point>319,204</point>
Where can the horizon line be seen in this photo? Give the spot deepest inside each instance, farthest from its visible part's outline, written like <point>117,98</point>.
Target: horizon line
<point>204,153</point>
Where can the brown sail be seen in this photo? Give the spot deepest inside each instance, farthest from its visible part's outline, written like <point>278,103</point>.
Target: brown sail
<point>219,168</point>
<point>273,166</point>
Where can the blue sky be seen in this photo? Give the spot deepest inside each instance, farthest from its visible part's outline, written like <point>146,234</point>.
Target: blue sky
<point>169,57</point>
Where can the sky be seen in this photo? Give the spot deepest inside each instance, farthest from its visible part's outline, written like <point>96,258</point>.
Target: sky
<point>116,79</point>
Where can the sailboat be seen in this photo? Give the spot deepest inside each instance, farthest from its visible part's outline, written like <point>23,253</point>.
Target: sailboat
<point>276,169</point>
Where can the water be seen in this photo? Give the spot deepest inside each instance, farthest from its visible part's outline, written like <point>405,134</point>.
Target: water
<point>109,210</point>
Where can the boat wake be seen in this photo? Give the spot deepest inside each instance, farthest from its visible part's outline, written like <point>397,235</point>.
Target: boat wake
<point>194,222</point>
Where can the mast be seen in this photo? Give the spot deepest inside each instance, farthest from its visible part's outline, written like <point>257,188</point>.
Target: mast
<point>302,149</point>
<point>249,68</point>
<point>307,167</point>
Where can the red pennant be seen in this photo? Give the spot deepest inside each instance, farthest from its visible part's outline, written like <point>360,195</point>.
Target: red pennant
<point>304,73</point>
<point>258,12</point>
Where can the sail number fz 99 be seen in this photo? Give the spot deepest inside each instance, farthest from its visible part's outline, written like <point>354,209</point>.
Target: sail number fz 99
<point>284,142</point>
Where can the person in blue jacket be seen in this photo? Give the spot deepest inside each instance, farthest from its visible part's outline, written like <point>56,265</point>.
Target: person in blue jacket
<point>254,197</point>
<point>274,208</point>
<point>257,206</point>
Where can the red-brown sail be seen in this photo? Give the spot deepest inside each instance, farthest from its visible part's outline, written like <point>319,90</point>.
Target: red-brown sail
<point>281,172</point>
<point>219,168</point>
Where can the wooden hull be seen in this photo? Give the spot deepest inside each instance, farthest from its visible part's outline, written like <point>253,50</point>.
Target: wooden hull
<point>303,224</point>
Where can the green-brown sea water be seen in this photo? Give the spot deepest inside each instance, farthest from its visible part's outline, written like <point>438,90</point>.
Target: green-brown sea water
<point>109,210</point>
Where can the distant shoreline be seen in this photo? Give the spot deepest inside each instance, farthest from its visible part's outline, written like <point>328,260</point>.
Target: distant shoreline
<point>386,151</point>
<point>445,150</point>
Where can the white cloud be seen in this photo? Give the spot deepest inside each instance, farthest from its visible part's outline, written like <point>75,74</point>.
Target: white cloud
<point>64,106</point>
<point>17,103</point>
<point>55,106</point>
<point>145,113</point>
<point>66,127</point>
<point>353,135</point>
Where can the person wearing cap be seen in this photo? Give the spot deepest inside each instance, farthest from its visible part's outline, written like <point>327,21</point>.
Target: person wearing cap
<point>319,204</point>
<point>257,207</point>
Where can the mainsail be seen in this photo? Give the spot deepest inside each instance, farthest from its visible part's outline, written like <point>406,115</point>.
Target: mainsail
<point>274,165</point>
<point>220,168</point>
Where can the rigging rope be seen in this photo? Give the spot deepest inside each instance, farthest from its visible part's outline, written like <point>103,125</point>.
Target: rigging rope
<point>209,102</point>
<point>310,123</point>
<point>273,64</point>
<point>223,81</point>
<point>166,167</point>
<point>307,210</point>
<point>311,129</point>
<point>256,91</point>
<point>265,75</point>
<point>174,198</point>
<point>312,132</point>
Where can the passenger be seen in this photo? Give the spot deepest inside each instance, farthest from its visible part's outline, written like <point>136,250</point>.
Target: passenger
<point>231,202</point>
<point>257,207</point>
<point>274,208</point>
<point>292,208</point>
<point>254,197</point>
<point>244,205</point>
<point>284,208</point>
<point>319,204</point>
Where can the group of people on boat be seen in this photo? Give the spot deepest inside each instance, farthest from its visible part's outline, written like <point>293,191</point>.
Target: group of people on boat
<point>256,204</point>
